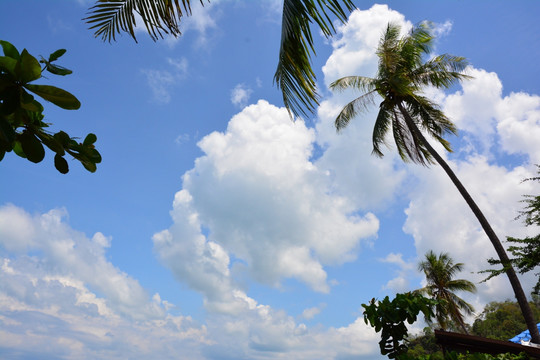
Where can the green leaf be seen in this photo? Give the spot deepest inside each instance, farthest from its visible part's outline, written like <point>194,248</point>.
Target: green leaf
<point>32,147</point>
<point>61,164</point>
<point>52,143</point>
<point>33,106</point>
<point>29,103</point>
<point>89,139</point>
<point>58,70</point>
<point>17,149</point>
<point>7,133</point>
<point>63,138</point>
<point>57,96</point>
<point>55,55</point>
<point>10,50</point>
<point>27,68</point>
<point>8,64</point>
<point>89,166</point>
<point>94,156</point>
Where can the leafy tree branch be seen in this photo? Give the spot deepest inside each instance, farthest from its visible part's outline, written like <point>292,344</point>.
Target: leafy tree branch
<point>22,126</point>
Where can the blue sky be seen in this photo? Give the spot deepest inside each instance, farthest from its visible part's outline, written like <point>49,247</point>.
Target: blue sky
<point>216,228</point>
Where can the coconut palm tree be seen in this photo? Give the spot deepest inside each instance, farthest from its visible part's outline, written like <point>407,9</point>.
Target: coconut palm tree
<point>294,75</point>
<point>440,272</point>
<point>406,112</point>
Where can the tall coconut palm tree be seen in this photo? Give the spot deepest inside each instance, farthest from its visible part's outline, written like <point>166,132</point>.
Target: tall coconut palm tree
<point>405,112</point>
<point>294,75</point>
<point>440,272</point>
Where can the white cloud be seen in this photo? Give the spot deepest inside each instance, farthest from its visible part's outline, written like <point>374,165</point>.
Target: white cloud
<point>66,300</point>
<point>47,303</point>
<point>460,234</point>
<point>509,123</point>
<point>240,95</point>
<point>274,211</point>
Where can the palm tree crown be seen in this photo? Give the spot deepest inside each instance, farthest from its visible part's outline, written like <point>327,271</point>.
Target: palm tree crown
<point>440,272</point>
<point>399,80</point>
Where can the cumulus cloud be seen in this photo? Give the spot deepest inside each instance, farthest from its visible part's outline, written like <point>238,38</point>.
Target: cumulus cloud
<point>263,201</point>
<point>59,294</point>
<point>56,301</point>
<point>509,123</point>
<point>265,333</point>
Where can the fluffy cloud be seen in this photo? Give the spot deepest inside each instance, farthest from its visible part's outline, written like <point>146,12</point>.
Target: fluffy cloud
<point>65,300</point>
<point>256,197</point>
<point>509,123</point>
<point>78,304</point>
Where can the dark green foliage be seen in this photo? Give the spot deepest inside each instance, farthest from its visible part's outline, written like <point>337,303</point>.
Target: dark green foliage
<point>502,320</point>
<point>526,251</point>
<point>424,345</point>
<point>389,317</point>
<point>22,129</point>
<point>453,355</point>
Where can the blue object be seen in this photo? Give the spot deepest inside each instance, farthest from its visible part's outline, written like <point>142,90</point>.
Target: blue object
<point>525,336</point>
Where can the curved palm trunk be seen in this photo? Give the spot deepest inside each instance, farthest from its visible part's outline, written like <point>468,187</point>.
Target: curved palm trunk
<point>514,281</point>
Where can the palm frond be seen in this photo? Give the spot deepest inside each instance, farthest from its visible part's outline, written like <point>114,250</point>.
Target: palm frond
<point>403,139</point>
<point>442,71</point>
<point>362,83</point>
<point>381,127</point>
<point>461,285</point>
<point>431,119</point>
<point>387,51</point>
<point>350,110</point>
<point>108,18</point>
<point>294,75</point>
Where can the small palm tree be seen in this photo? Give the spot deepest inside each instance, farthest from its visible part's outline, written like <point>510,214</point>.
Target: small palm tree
<point>440,272</point>
<point>405,112</point>
<point>294,75</point>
